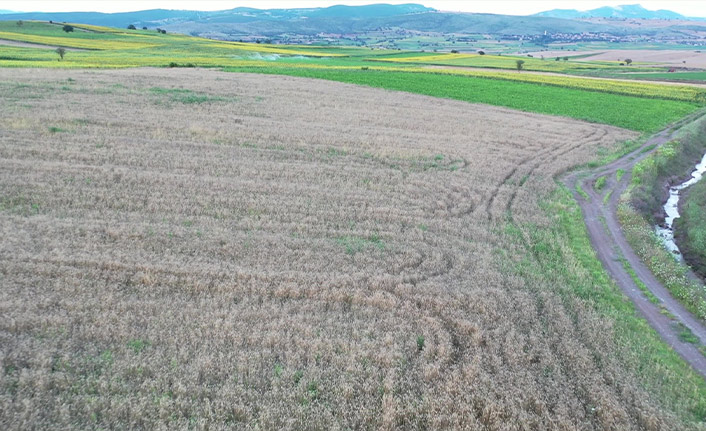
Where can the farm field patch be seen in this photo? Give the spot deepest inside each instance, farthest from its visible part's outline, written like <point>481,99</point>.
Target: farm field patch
<point>548,64</point>
<point>189,247</point>
<point>673,76</point>
<point>659,57</point>
<point>631,112</point>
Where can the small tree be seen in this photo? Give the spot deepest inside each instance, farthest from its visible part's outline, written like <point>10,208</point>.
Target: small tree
<point>481,52</point>
<point>628,61</point>
<point>20,23</point>
<point>163,31</point>
<point>519,64</point>
<point>566,58</point>
<point>68,28</point>
<point>144,28</point>
<point>61,52</point>
<point>131,27</point>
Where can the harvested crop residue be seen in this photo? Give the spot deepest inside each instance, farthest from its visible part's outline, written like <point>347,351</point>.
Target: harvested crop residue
<point>195,248</point>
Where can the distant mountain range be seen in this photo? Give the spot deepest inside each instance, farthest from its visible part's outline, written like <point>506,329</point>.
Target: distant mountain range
<point>335,19</point>
<point>237,15</point>
<point>246,23</point>
<point>625,11</point>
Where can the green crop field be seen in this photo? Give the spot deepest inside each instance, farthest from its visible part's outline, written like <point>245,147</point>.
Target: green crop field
<point>630,112</point>
<point>549,64</point>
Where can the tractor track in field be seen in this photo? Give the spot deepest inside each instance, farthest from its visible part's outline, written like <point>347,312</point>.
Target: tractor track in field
<point>607,239</point>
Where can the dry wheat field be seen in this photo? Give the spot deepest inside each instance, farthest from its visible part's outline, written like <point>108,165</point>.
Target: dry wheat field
<point>191,249</point>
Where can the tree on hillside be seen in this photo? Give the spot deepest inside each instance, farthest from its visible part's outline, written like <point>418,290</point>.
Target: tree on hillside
<point>628,61</point>
<point>61,52</point>
<point>20,23</point>
<point>131,27</point>
<point>519,64</point>
<point>68,28</point>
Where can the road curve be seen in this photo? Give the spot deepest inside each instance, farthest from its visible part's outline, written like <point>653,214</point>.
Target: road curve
<point>611,246</point>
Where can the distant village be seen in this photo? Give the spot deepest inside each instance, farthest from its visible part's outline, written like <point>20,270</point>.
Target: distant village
<point>396,37</point>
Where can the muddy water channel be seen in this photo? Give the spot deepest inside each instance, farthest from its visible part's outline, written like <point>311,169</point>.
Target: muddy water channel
<point>671,208</point>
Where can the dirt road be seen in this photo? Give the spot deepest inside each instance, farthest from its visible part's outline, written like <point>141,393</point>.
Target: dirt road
<point>611,247</point>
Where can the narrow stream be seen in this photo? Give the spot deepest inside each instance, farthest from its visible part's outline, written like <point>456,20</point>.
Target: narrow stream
<point>671,208</point>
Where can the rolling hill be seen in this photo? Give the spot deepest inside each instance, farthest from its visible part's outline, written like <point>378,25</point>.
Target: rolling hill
<point>340,19</point>
<point>624,11</point>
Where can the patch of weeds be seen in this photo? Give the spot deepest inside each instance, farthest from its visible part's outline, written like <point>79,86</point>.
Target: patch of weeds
<point>187,223</point>
<point>606,198</point>
<point>420,343</point>
<point>438,162</point>
<point>313,390</point>
<point>619,174</point>
<point>185,96</point>
<point>19,205</point>
<point>648,148</point>
<point>335,152</point>
<point>686,335</point>
<point>423,227</point>
<point>643,288</point>
<point>137,345</point>
<point>581,192</point>
<point>107,357</point>
<point>278,370</point>
<point>54,129</point>
<point>84,122</point>
<point>600,183</point>
<point>353,244</point>
<point>297,376</point>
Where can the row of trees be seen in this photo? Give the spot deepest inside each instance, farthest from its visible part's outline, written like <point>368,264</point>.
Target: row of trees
<point>159,30</point>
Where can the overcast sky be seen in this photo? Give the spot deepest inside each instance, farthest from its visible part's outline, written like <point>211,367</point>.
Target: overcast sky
<point>512,7</point>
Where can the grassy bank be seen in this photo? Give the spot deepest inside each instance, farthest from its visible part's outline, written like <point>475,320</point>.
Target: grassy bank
<point>641,205</point>
<point>564,251</point>
<point>668,164</point>
<point>691,227</point>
